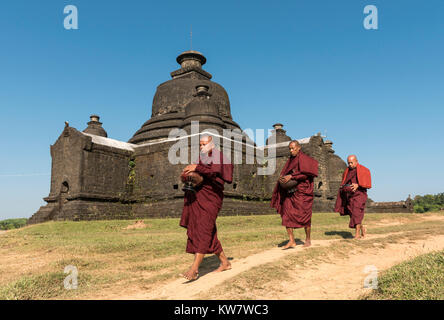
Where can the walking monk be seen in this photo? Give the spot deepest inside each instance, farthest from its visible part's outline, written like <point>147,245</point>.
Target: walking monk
<point>295,204</point>
<point>352,194</point>
<point>201,207</point>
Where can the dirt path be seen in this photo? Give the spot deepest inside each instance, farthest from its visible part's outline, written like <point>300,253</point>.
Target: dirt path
<point>334,278</point>
<point>182,289</point>
<point>340,280</point>
<point>344,279</point>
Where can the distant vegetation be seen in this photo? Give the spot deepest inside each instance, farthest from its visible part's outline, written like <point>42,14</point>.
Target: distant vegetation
<point>428,202</point>
<point>12,223</point>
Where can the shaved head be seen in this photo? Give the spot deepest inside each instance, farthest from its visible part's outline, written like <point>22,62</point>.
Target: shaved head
<point>352,161</point>
<point>207,138</point>
<point>206,143</point>
<point>294,147</point>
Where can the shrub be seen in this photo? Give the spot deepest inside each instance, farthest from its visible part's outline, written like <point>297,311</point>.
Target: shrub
<point>428,202</point>
<point>12,223</point>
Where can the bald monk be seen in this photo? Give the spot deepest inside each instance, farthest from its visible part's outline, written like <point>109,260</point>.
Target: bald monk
<point>295,204</point>
<point>201,208</point>
<point>352,194</point>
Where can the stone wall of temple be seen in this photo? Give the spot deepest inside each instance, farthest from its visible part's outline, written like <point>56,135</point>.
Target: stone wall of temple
<point>101,184</point>
<point>86,177</point>
<point>94,180</point>
<point>405,206</point>
<point>95,177</point>
<point>105,172</point>
<point>66,168</point>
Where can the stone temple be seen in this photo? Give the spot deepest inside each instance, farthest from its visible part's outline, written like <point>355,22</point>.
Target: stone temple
<point>95,177</point>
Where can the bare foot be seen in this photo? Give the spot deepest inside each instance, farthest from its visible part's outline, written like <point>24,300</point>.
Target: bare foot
<point>190,275</point>
<point>223,267</point>
<point>363,231</point>
<point>357,237</point>
<point>307,243</point>
<point>289,245</point>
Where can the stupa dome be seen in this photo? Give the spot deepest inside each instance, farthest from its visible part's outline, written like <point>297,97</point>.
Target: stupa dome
<point>95,127</point>
<point>172,98</point>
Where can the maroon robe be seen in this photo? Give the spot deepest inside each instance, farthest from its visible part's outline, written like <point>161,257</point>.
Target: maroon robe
<point>296,208</point>
<point>351,203</point>
<point>200,209</point>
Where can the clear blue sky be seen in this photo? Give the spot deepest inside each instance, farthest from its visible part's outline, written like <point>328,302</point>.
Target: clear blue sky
<point>308,64</point>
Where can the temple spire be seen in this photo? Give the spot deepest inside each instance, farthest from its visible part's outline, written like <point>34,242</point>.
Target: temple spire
<point>95,127</point>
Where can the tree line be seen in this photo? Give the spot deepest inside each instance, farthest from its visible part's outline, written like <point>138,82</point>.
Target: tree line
<point>428,202</point>
<point>12,223</point>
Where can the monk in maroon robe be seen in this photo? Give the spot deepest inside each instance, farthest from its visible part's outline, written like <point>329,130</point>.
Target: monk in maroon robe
<point>295,204</point>
<point>202,207</point>
<point>352,194</point>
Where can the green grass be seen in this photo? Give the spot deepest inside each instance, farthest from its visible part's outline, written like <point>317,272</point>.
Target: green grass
<point>419,279</point>
<point>108,256</point>
<point>267,275</point>
<point>161,237</point>
<point>42,286</point>
<point>164,237</point>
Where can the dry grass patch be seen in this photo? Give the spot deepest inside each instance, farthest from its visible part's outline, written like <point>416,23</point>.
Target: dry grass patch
<point>111,258</point>
<point>272,276</point>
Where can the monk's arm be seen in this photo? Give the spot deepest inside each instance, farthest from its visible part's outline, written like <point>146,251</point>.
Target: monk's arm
<point>298,176</point>
<point>206,170</point>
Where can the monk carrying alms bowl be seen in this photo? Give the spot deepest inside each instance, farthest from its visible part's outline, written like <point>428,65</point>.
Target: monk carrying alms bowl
<point>201,207</point>
<point>290,185</point>
<point>293,194</point>
<point>191,181</point>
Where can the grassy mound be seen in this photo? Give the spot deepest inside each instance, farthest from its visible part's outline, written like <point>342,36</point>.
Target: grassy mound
<point>113,257</point>
<point>419,279</point>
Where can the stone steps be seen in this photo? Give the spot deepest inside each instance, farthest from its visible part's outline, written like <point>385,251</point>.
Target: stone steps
<point>45,213</point>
